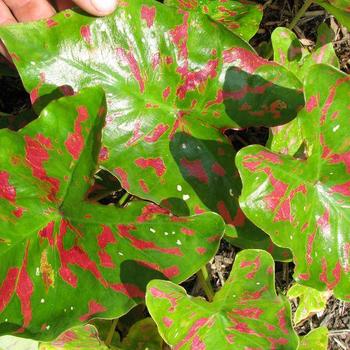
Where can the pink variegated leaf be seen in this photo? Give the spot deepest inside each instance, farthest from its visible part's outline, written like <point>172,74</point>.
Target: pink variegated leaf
<point>65,260</point>
<point>245,312</point>
<point>171,94</point>
<point>303,204</point>
<point>239,16</point>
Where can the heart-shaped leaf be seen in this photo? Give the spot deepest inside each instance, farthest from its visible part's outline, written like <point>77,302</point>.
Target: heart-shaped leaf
<point>310,301</point>
<point>245,312</point>
<point>170,96</point>
<point>315,339</point>
<point>304,204</point>
<point>241,17</point>
<point>289,52</point>
<point>65,260</point>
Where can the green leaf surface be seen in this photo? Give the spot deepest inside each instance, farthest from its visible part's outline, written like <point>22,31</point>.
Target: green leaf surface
<point>310,302</point>
<point>315,339</point>
<point>170,93</point>
<point>241,17</point>
<point>304,204</point>
<point>82,337</point>
<point>66,260</point>
<point>246,312</point>
<point>289,52</point>
<point>340,9</point>
<point>142,335</point>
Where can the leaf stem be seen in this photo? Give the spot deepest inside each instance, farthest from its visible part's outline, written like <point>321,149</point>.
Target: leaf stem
<point>300,14</point>
<point>204,281</point>
<point>124,199</point>
<point>111,331</point>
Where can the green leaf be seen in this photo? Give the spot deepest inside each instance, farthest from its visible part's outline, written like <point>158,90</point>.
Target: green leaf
<point>316,339</point>
<point>245,312</point>
<point>311,301</point>
<point>339,9</point>
<point>165,85</point>
<point>289,52</point>
<point>82,337</point>
<point>66,260</point>
<point>143,335</point>
<point>241,17</point>
<point>303,204</point>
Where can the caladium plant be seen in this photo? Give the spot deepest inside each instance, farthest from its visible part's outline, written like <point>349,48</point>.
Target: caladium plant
<point>289,52</point>
<point>244,313</point>
<point>303,204</point>
<point>177,77</point>
<point>171,95</point>
<point>241,17</point>
<point>66,260</point>
<point>311,301</point>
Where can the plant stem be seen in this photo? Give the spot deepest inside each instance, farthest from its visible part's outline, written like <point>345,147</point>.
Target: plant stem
<point>204,281</point>
<point>124,199</point>
<point>111,331</point>
<point>300,14</point>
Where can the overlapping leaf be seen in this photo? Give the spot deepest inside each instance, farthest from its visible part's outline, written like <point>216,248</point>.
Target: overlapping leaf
<point>170,96</point>
<point>339,8</point>
<point>81,337</point>
<point>289,52</point>
<point>316,339</point>
<point>241,17</point>
<point>142,335</point>
<point>310,301</point>
<point>304,204</point>
<point>65,260</point>
<point>246,312</point>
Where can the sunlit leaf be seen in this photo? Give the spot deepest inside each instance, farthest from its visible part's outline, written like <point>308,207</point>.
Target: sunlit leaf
<point>303,204</point>
<point>241,17</point>
<point>310,302</point>
<point>66,260</point>
<point>245,312</point>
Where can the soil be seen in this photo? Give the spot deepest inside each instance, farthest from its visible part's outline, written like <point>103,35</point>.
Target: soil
<point>336,316</point>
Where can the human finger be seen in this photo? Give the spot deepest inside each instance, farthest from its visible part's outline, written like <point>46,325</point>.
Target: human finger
<point>97,7</point>
<point>6,17</point>
<point>30,10</point>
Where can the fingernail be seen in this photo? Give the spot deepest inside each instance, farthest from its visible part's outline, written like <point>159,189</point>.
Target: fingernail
<point>104,6</point>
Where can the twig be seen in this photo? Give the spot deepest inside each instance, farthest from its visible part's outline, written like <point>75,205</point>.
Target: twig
<point>300,14</point>
<point>337,332</point>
